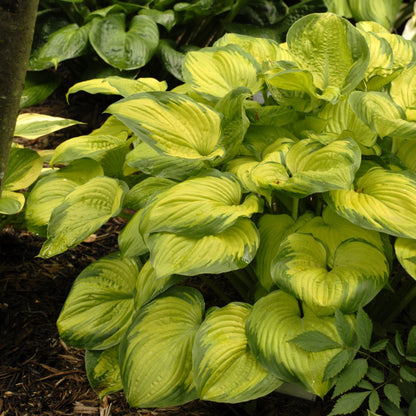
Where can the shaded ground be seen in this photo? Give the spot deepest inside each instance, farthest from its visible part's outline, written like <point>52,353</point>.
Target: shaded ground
<point>39,374</point>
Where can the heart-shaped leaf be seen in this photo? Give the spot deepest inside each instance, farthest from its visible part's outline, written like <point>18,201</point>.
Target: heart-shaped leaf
<point>231,249</point>
<point>103,371</point>
<point>276,319</point>
<point>100,305</point>
<point>225,370</point>
<point>162,120</point>
<point>121,48</point>
<point>156,351</point>
<point>383,200</point>
<point>11,202</point>
<point>82,212</point>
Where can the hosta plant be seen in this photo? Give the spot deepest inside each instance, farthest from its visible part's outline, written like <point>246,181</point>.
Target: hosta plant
<point>97,37</point>
<point>285,168</point>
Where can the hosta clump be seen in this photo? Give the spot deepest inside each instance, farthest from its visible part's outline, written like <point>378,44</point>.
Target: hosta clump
<point>294,197</point>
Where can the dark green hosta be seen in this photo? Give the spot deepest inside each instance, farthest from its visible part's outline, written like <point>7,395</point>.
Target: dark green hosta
<point>295,197</point>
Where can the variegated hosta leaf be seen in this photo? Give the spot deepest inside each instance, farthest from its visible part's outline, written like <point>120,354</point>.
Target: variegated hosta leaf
<point>340,118</point>
<point>115,85</point>
<point>333,229</point>
<point>113,127</point>
<point>231,249</point>
<point>82,212</point>
<point>404,51</point>
<point>173,124</point>
<point>51,190</point>
<point>156,351</point>
<point>148,286</point>
<point>332,50</point>
<point>273,322</point>
<point>380,11</point>
<point>147,160</point>
<point>130,240</point>
<point>272,229</point>
<point>23,168</point>
<point>403,91</point>
<point>100,305</point>
<point>214,72</point>
<point>93,146</point>
<point>406,152</point>
<point>204,205</point>
<point>140,194</point>
<point>380,68</point>
<point>383,200</point>
<point>377,110</point>
<point>234,123</point>
<point>317,167</point>
<point>405,249</point>
<point>103,371</point>
<point>31,125</point>
<point>121,47</point>
<point>11,202</point>
<point>261,49</point>
<point>358,272</point>
<point>225,370</point>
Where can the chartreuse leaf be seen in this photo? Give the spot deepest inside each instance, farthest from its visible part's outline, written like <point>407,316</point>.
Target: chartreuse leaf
<point>82,212</point>
<point>156,351</point>
<point>115,85</point>
<point>377,110</point>
<point>204,205</point>
<point>32,125</point>
<point>100,305</point>
<point>404,51</point>
<point>406,152</point>
<point>317,167</point>
<point>231,249</point>
<point>11,202</point>
<point>277,319</point>
<point>51,190</point>
<point>336,70</point>
<point>214,72</point>
<point>272,229</point>
<point>173,124</point>
<point>140,194</point>
<point>403,90</point>
<point>147,160</point>
<point>121,47</point>
<point>357,273</point>
<point>340,118</point>
<point>405,249</point>
<point>93,146</point>
<point>130,240</point>
<point>261,49</point>
<point>148,286</point>
<point>225,370</point>
<point>103,371</point>
<point>69,42</point>
<point>378,11</point>
<point>23,168</point>
<point>383,200</point>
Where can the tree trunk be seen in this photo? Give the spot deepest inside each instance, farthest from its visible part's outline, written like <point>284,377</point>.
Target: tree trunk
<point>17,22</point>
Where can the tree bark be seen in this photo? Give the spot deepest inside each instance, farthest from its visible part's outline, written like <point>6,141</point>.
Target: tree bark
<point>17,22</point>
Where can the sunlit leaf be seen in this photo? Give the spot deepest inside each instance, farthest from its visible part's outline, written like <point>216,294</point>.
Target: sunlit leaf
<point>156,351</point>
<point>406,254</point>
<point>100,305</point>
